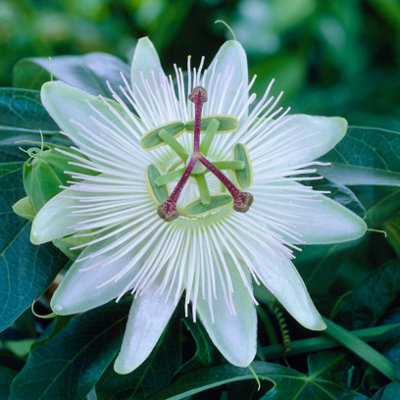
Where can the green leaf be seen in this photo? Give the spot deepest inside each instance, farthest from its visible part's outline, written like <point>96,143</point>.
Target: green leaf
<point>392,391</point>
<point>369,301</point>
<point>319,265</point>
<point>11,159</point>
<point>365,156</point>
<point>288,383</point>
<point>153,375</point>
<point>339,193</point>
<point>26,270</point>
<point>22,116</point>
<point>6,377</point>
<point>89,72</point>
<point>205,351</point>
<point>381,203</point>
<point>330,365</point>
<point>74,359</point>
<point>392,229</point>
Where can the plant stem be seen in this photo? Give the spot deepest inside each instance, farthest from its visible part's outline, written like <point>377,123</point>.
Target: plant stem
<point>323,343</point>
<point>268,326</point>
<point>359,347</point>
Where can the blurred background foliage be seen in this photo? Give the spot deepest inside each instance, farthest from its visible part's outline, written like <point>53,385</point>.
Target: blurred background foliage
<point>330,57</point>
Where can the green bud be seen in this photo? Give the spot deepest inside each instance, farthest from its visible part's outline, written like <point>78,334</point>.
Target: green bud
<point>24,209</point>
<point>66,243</point>
<point>44,172</point>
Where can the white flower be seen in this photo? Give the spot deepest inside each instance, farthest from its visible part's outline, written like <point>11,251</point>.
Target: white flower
<point>210,252</point>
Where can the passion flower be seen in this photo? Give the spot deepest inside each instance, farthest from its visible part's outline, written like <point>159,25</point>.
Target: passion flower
<point>224,179</point>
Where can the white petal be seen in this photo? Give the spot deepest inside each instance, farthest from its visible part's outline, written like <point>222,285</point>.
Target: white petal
<point>147,320</point>
<point>235,336</point>
<point>80,116</point>
<point>316,218</point>
<point>300,139</point>
<point>281,278</point>
<point>55,219</point>
<point>145,62</point>
<point>229,61</point>
<point>81,290</point>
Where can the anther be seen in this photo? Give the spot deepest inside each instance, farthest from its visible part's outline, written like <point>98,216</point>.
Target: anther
<point>243,202</point>
<point>167,210</point>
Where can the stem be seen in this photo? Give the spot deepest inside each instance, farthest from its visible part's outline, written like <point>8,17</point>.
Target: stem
<point>268,326</point>
<point>322,343</point>
<point>359,347</point>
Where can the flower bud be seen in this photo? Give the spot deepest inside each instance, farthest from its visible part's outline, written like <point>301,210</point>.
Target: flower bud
<point>44,173</point>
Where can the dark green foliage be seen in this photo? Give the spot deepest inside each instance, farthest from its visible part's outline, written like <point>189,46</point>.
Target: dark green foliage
<point>89,72</point>
<point>26,270</point>
<point>366,156</point>
<point>22,116</point>
<point>288,383</point>
<point>71,362</point>
<point>330,58</point>
<point>155,373</point>
<point>371,299</point>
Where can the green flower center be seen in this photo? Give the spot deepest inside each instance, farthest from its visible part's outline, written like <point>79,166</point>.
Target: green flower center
<point>193,167</point>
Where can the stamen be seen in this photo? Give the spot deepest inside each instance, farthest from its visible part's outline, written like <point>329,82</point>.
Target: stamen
<point>169,177</point>
<point>175,145</point>
<point>209,136</point>
<point>203,189</point>
<point>234,165</point>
